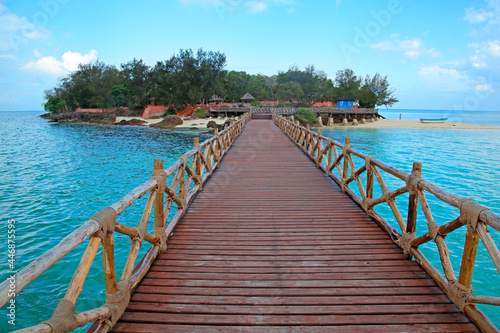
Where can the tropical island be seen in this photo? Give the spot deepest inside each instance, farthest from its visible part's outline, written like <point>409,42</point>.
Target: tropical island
<point>195,91</point>
<point>199,81</point>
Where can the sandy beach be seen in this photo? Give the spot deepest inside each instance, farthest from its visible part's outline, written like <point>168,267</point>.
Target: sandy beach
<point>414,123</point>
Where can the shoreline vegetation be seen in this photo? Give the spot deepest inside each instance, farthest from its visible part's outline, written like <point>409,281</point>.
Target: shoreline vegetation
<point>191,78</point>
<point>201,123</point>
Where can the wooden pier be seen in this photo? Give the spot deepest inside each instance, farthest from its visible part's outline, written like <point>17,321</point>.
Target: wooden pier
<point>258,229</point>
<point>273,245</point>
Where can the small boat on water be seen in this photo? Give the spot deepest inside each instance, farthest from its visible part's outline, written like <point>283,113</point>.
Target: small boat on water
<point>433,120</point>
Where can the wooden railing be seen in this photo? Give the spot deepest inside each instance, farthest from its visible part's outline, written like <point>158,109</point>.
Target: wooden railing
<point>338,162</point>
<point>190,171</point>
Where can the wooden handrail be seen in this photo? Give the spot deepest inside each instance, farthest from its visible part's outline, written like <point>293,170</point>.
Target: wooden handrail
<point>195,166</point>
<point>325,152</point>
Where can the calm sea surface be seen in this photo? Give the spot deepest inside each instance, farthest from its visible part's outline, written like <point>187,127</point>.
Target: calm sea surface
<point>55,176</point>
<point>491,118</point>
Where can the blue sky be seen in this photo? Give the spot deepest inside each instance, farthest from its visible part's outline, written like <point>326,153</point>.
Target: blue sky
<point>437,54</point>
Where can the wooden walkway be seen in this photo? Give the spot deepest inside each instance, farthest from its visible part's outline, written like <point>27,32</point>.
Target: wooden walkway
<point>273,245</point>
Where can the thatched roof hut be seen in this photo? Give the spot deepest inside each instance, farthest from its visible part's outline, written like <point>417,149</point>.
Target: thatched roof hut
<point>247,98</point>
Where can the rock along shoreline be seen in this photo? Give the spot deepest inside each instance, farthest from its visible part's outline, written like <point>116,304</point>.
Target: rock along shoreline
<point>171,122</point>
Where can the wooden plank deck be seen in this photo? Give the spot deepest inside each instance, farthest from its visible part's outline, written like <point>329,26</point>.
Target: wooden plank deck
<point>273,245</point>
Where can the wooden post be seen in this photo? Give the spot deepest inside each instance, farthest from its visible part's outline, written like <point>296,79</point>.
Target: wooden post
<point>469,257</point>
<point>347,145</point>
<point>411,223</point>
<point>369,182</point>
<point>216,146</point>
<point>76,285</point>
<point>159,214</point>
<point>108,262</point>
<point>158,165</point>
<point>182,183</point>
<point>198,160</point>
<point>330,154</point>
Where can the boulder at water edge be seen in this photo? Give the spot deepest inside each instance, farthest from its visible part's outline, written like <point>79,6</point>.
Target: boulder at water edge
<point>168,122</point>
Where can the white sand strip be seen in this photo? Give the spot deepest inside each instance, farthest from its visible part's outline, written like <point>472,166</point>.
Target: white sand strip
<point>414,123</point>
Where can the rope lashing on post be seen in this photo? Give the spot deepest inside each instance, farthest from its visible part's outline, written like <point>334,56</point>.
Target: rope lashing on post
<point>433,229</point>
<point>368,162</point>
<point>142,230</point>
<point>459,294</point>
<point>413,181</point>
<point>63,319</point>
<point>117,303</point>
<point>406,242</point>
<point>107,221</point>
<point>469,213</point>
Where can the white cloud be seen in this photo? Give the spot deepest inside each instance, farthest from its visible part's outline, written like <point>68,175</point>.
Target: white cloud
<point>256,7</point>
<point>18,30</point>
<point>253,6</point>
<point>446,79</point>
<point>493,48</point>
<point>483,87</point>
<point>485,19</point>
<point>412,48</point>
<point>69,62</point>
<point>477,62</point>
<point>476,16</point>
<point>486,54</point>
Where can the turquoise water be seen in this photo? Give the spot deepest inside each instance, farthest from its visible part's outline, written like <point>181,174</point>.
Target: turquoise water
<point>491,118</point>
<point>55,176</point>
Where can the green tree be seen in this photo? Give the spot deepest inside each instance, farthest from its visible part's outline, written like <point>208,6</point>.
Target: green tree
<point>163,85</point>
<point>235,85</point>
<point>210,66</point>
<point>88,87</point>
<point>376,91</point>
<point>289,90</point>
<point>314,83</point>
<point>55,105</point>
<point>305,116</point>
<point>258,89</point>
<point>190,78</point>
<point>346,83</point>
<point>120,96</point>
<point>137,80</point>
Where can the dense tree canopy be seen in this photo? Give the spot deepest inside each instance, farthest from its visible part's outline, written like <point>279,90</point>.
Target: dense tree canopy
<point>192,78</point>
<point>370,92</point>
